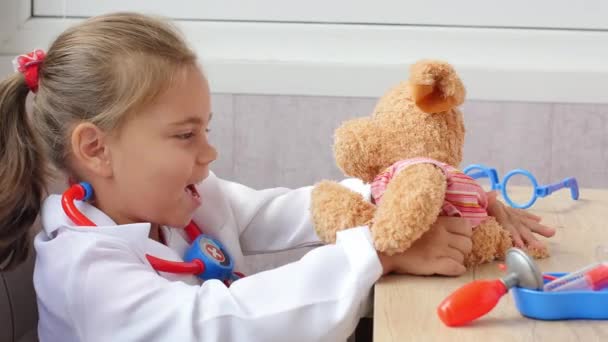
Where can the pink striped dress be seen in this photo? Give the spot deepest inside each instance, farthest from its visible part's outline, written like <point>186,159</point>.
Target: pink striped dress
<point>464,196</point>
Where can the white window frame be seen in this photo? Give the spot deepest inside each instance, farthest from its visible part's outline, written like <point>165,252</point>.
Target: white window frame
<point>496,64</point>
<point>557,14</point>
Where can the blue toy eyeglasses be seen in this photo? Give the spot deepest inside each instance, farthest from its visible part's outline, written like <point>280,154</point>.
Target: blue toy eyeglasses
<point>479,171</point>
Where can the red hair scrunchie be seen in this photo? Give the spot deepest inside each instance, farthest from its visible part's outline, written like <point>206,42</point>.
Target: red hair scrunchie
<point>29,65</point>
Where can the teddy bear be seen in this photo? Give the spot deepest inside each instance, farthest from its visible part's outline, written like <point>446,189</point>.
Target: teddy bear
<point>409,151</point>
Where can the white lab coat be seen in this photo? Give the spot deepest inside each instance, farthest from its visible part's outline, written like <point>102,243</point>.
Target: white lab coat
<point>95,284</point>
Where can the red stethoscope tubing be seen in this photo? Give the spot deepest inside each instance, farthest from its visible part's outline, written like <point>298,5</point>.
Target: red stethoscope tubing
<point>75,192</point>
<point>78,192</point>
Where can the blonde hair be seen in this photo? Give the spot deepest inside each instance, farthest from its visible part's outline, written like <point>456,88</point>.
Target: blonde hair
<point>99,71</point>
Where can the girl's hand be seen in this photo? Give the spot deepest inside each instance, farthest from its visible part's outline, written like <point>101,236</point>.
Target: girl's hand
<point>441,250</point>
<point>519,223</point>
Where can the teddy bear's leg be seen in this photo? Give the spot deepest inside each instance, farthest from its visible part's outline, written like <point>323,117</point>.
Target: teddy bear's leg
<point>335,207</point>
<point>537,253</point>
<point>490,242</point>
<point>410,205</point>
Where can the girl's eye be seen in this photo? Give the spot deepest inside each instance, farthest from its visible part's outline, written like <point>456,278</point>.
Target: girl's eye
<point>185,136</point>
<point>188,135</point>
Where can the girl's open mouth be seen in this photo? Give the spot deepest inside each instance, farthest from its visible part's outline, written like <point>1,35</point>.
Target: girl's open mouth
<point>191,190</point>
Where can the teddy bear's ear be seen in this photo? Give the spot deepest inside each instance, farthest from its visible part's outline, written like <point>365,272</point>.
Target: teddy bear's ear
<point>435,86</point>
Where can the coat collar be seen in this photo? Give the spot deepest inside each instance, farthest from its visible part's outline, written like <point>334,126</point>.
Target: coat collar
<point>54,218</point>
<point>135,235</point>
<point>213,215</point>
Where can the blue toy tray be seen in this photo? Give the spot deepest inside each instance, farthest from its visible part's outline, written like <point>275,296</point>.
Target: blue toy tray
<point>561,305</point>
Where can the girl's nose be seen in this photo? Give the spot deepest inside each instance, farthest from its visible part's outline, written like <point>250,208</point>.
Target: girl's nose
<point>207,154</point>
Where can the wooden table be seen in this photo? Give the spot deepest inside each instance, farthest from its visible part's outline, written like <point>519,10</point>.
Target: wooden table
<point>405,306</point>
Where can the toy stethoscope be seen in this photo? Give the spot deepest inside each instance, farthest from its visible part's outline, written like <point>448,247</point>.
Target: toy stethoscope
<point>206,257</point>
<point>477,298</point>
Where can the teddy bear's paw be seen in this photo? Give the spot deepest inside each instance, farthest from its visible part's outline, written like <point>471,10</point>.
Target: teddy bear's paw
<point>490,242</point>
<point>409,207</point>
<point>335,207</point>
<point>390,237</point>
<point>389,246</point>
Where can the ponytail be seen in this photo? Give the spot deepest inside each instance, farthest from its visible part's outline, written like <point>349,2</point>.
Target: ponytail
<point>23,173</point>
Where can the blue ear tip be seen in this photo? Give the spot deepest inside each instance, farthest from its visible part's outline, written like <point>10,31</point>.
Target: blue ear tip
<point>88,190</point>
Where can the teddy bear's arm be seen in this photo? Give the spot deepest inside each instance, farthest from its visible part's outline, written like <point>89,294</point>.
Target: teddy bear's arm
<point>335,207</point>
<point>409,206</point>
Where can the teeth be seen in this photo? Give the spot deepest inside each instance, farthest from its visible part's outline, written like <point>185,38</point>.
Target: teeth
<point>191,189</point>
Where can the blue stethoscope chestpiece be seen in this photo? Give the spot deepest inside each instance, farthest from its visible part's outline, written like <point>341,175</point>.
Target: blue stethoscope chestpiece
<point>217,261</point>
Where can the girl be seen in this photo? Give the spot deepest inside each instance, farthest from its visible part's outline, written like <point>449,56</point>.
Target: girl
<point>121,104</point>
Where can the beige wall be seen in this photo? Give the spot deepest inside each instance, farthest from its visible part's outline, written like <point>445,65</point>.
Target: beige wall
<point>267,141</point>
<point>279,140</point>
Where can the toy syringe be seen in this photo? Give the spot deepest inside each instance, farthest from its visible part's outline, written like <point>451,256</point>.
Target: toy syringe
<point>593,277</point>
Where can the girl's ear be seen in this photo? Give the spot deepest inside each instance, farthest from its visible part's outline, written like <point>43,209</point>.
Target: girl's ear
<point>90,150</point>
